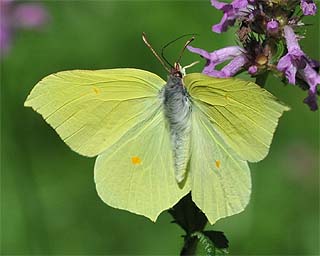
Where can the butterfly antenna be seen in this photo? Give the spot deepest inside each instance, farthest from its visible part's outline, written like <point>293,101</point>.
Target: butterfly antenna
<point>184,47</point>
<point>144,38</point>
<point>166,45</point>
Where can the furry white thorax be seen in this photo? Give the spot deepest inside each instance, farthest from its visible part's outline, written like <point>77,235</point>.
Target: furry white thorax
<point>177,108</point>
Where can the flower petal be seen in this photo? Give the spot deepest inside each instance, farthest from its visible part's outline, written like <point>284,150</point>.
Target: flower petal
<point>273,26</point>
<point>223,25</point>
<point>252,69</point>
<point>285,65</point>
<point>308,7</point>
<point>313,79</point>
<point>199,51</point>
<point>311,101</point>
<point>230,13</point>
<point>295,58</point>
<point>234,66</point>
<point>218,5</point>
<point>219,56</point>
<point>291,38</point>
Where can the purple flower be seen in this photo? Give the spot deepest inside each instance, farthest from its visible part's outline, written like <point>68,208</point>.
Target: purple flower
<point>231,12</point>
<point>260,33</point>
<point>252,69</point>
<point>313,79</point>
<point>236,53</point>
<point>295,62</point>
<point>308,7</point>
<point>273,26</point>
<point>15,15</point>
<point>294,59</point>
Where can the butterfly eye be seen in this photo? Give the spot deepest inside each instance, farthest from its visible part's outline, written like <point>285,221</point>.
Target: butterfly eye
<point>135,160</point>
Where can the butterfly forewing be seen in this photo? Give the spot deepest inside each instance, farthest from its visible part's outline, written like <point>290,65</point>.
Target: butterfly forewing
<point>242,113</point>
<point>92,110</point>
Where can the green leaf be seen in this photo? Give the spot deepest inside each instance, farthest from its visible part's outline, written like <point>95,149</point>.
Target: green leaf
<point>217,238</point>
<point>209,241</point>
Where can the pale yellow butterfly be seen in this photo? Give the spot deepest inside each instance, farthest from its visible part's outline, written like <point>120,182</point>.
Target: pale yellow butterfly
<point>156,141</point>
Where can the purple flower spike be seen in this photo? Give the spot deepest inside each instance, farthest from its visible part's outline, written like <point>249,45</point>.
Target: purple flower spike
<point>273,26</point>
<point>308,7</point>
<point>230,13</point>
<point>295,62</point>
<point>214,58</point>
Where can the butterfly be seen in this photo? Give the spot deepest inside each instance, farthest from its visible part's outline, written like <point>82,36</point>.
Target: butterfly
<point>157,140</point>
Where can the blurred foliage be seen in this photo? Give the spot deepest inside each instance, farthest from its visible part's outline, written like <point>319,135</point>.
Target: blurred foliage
<point>49,204</point>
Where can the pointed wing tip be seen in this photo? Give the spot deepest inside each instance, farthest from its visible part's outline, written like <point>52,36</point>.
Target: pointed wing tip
<point>286,108</point>
<point>27,103</point>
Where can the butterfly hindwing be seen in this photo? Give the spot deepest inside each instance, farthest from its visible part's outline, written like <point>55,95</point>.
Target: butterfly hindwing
<point>138,174</point>
<point>220,181</point>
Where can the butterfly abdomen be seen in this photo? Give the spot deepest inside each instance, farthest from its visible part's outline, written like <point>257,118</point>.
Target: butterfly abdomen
<point>177,110</point>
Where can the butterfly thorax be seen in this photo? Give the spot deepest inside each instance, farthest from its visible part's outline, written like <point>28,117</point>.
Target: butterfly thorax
<point>177,108</point>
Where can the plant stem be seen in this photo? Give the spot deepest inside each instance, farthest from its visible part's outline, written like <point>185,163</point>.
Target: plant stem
<point>261,79</point>
<point>189,217</point>
<point>190,246</point>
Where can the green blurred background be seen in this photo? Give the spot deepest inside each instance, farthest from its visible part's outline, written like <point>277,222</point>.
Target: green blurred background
<point>49,204</point>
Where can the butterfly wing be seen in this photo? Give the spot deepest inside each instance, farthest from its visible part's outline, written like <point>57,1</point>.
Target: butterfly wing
<point>116,113</point>
<point>92,110</point>
<point>220,181</point>
<point>138,174</point>
<point>243,114</point>
<point>232,121</point>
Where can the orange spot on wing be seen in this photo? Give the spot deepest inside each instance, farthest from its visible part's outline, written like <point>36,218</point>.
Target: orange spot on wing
<point>135,160</point>
<point>96,90</point>
<point>218,163</point>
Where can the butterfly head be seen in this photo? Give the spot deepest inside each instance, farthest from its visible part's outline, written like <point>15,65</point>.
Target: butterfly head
<point>177,70</point>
